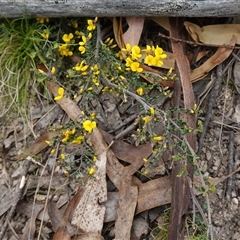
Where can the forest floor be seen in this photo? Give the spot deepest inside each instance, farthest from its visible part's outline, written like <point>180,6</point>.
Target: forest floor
<point>89,152</point>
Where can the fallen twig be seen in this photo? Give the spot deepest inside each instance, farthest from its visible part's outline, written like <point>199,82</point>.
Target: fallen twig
<point>230,165</point>
<point>196,43</point>
<point>213,95</point>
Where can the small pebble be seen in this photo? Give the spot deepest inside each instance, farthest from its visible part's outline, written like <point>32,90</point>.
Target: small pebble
<point>208,155</point>
<point>235,201</point>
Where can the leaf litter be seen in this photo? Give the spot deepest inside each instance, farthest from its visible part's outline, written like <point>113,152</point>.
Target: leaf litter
<point>97,202</point>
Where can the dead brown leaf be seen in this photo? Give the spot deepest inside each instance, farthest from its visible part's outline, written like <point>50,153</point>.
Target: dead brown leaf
<point>38,145</point>
<point>154,193</point>
<point>89,213</point>
<point>127,204</point>
<point>122,178</point>
<point>129,153</point>
<point>64,227</point>
<point>118,32</point>
<point>219,56</point>
<point>219,34</point>
<point>162,21</point>
<point>68,105</point>
<point>135,27</point>
<point>30,227</point>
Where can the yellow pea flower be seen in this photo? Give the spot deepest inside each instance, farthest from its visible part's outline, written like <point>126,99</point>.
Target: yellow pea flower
<point>145,160</point>
<point>159,63</point>
<point>127,49</point>
<point>81,67</point>
<point>78,140</point>
<point>45,35</point>
<point>91,171</point>
<point>67,37</point>
<point>84,40</point>
<point>53,70</point>
<point>53,151</point>
<point>64,51</point>
<point>148,49</point>
<point>146,119</point>
<point>89,36</point>
<point>140,91</point>
<point>89,125</point>
<point>136,52</point>
<point>129,61</point>
<point>42,19</point>
<point>157,138</point>
<point>82,49</point>
<point>159,52</point>
<point>60,94</point>
<point>150,60</point>
<point>135,67</point>
<point>152,111</point>
<point>91,25</point>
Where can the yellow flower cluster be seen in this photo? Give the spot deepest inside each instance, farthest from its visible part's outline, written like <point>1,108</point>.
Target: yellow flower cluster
<point>69,38</point>
<point>42,19</point>
<point>69,134</point>
<point>82,47</point>
<point>96,72</point>
<point>81,67</point>
<point>134,55</point>
<point>109,43</point>
<point>148,118</point>
<point>91,24</point>
<point>64,50</point>
<point>154,56</point>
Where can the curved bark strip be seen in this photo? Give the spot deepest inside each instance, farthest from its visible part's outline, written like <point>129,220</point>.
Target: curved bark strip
<point>180,190</point>
<point>110,8</point>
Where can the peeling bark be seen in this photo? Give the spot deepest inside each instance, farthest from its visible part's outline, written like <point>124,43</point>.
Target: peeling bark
<point>81,8</point>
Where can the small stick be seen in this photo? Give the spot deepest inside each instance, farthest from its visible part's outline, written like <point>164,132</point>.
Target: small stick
<point>230,165</point>
<point>195,201</point>
<point>196,43</point>
<point>128,120</point>
<point>133,95</point>
<point>213,95</point>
